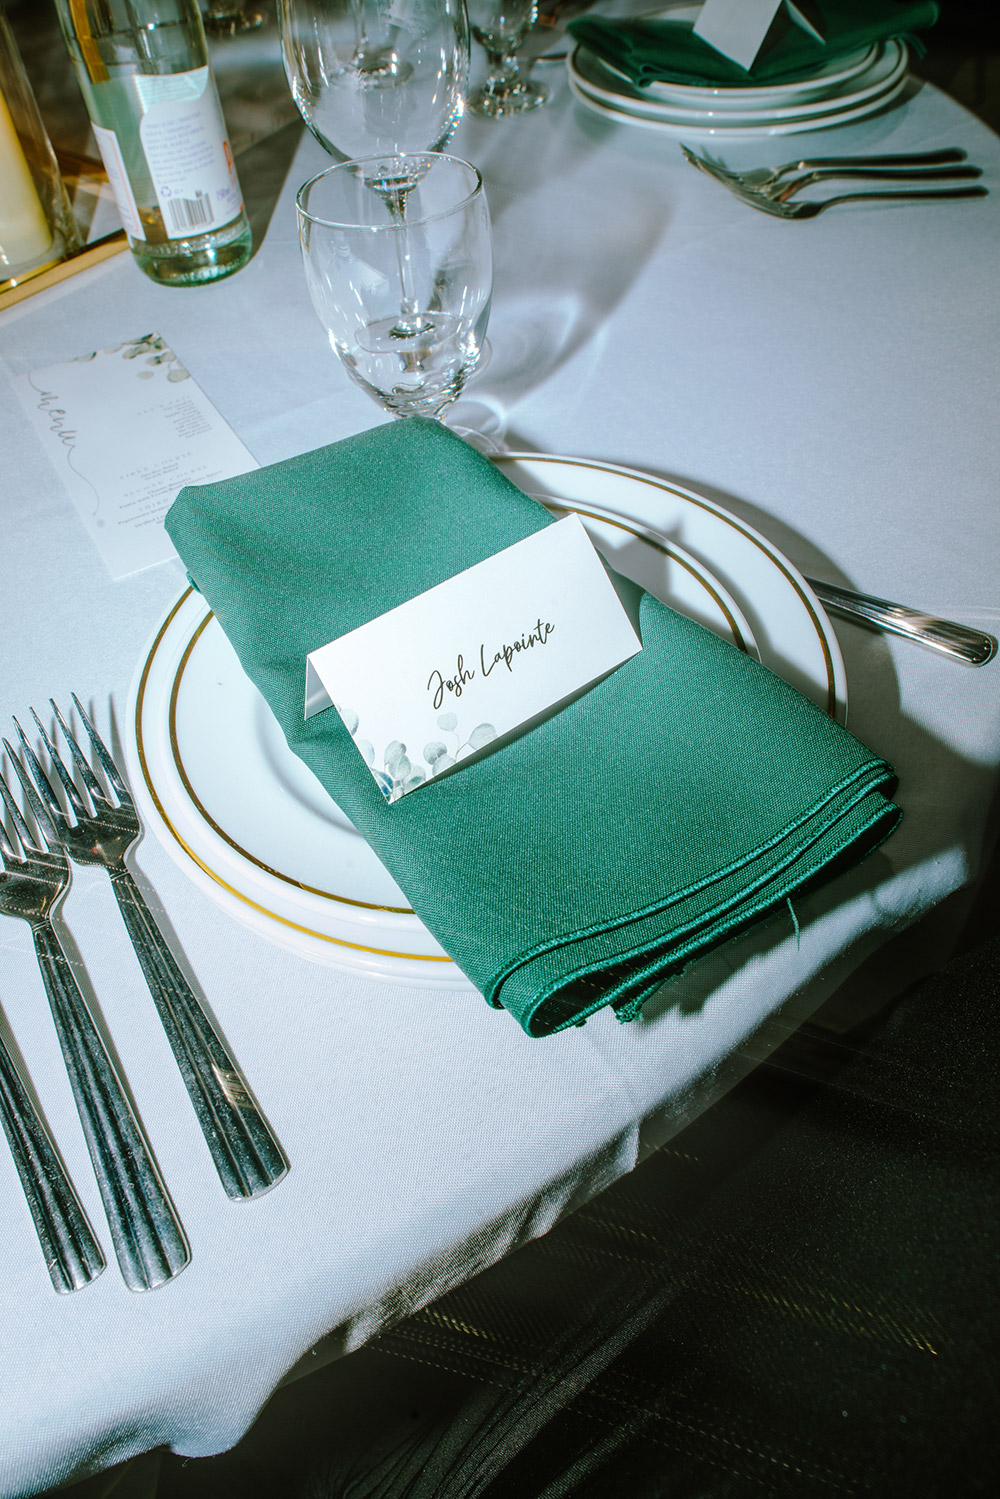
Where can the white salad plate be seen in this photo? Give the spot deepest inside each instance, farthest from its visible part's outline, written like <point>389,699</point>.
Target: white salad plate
<point>250,824</point>
<point>832,78</point>
<point>600,90</point>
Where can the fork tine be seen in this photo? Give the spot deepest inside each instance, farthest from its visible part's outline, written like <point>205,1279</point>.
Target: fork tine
<point>704,165</point>
<point>7,849</point>
<point>42,781</point>
<point>79,759</point>
<point>69,785</point>
<point>46,826</point>
<point>20,826</point>
<point>100,749</point>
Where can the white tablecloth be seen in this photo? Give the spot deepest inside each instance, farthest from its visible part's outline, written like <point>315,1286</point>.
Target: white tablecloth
<point>834,382</point>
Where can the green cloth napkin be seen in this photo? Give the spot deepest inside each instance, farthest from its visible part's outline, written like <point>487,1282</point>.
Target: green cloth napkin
<point>583,861</point>
<point>669,51</point>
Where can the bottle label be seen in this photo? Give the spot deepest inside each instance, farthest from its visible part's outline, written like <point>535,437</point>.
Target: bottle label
<point>190,164</point>
<point>184,141</point>
<point>114,165</point>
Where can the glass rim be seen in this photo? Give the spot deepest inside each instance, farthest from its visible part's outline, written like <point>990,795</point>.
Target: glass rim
<point>356,161</point>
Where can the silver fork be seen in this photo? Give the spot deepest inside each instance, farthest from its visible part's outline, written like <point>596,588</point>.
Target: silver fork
<point>146,1232</point>
<point>246,1154</point>
<point>810,210</point>
<point>780,192</point>
<point>760,179</point>
<point>73,1256</point>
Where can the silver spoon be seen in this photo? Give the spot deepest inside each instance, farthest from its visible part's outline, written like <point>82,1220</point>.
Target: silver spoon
<point>973,647</point>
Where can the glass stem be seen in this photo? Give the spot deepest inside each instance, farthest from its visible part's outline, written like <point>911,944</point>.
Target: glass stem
<point>395,199</point>
<point>505,71</point>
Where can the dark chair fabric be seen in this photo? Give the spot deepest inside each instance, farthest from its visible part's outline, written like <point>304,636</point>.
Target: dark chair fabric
<point>797,1296</point>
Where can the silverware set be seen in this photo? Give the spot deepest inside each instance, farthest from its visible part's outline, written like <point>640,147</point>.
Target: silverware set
<point>771,190</point>
<point>78,819</point>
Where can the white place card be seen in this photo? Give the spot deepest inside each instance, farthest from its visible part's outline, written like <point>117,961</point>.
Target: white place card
<point>433,681</point>
<point>738,28</point>
<point>126,429</point>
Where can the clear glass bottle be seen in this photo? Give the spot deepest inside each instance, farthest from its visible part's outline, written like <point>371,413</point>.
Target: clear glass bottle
<point>144,71</point>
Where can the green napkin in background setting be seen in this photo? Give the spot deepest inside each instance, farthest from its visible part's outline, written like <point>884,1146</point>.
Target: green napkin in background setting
<point>647,51</point>
<point>583,861</point>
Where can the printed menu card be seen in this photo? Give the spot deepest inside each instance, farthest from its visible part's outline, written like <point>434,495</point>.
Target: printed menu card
<point>126,428</point>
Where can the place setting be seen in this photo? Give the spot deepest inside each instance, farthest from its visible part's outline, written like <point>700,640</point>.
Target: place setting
<point>719,75</point>
<point>750,71</point>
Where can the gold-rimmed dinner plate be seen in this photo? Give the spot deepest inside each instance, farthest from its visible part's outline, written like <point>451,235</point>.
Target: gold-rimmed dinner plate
<point>250,824</point>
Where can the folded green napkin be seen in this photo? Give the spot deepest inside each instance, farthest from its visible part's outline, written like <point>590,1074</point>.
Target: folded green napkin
<point>580,862</point>
<point>669,51</point>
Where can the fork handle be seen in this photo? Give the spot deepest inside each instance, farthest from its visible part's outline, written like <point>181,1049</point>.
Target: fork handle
<point>906,193</point>
<point>148,1239</point>
<point>943,158</point>
<point>879,174</point>
<point>246,1154</point>
<point>73,1256</point>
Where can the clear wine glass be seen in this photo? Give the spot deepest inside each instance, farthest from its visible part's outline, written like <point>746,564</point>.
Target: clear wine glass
<point>386,76</point>
<point>501,27</point>
<point>405,302</point>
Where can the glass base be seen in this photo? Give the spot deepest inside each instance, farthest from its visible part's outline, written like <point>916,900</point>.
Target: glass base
<point>11,276</point>
<point>64,241</point>
<point>499,99</point>
<point>199,259</point>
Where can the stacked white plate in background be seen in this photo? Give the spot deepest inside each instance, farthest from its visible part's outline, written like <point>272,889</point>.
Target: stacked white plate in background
<point>846,89</point>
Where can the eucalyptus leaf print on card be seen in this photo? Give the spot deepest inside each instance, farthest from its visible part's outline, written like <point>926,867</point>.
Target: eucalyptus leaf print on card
<point>399,771</point>
<point>442,756</point>
<point>156,357</point>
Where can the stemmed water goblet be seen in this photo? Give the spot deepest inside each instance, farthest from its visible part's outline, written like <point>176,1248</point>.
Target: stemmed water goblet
<point>382,82</point>
<point>412,353</point>
<point>501,27</point>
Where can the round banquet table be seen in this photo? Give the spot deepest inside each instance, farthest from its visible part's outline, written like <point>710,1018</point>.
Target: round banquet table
<point>832,383</point>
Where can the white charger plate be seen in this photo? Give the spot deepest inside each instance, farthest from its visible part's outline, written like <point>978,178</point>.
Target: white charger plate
<point>251,825</point>
<point>599,82</point>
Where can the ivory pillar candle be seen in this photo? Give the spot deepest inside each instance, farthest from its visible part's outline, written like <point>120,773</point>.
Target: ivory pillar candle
<point>25,236</point>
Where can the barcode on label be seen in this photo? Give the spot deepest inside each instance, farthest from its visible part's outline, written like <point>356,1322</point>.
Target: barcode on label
<point>189,213</point>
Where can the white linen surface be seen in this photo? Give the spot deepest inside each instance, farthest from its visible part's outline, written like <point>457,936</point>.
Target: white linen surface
<point>834,383</point>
